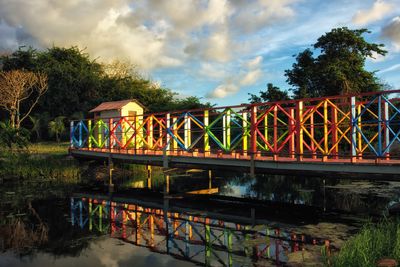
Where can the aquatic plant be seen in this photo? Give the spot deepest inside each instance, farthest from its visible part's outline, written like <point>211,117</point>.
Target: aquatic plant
<point>372,243</point>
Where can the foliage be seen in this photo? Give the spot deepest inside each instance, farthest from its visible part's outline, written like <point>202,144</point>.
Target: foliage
<point>76,83</point>
<point>57,127</point>
<point>338,68</point>
<point>371,244</point>
<point>18,87</point>
<point>273,93</point>
<point>11,137</point>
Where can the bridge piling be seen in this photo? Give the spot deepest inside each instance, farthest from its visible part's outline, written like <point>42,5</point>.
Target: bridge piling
<point>110,171</point>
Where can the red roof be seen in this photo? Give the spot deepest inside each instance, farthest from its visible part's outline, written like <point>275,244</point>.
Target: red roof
<point>114,105</point>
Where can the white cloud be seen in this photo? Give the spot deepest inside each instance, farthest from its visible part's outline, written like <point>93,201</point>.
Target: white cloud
<point>251,77</point>
<point>248,76</point>
<point>392,32</point>
<point>379,10</point>
<point>223,90</point>
<point>391,68</point>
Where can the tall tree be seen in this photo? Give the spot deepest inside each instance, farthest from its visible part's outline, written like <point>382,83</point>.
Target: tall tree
<point>339,66</point>
<point>17,87</point>
<point>273,93</point>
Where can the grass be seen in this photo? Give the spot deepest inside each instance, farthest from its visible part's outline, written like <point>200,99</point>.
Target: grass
<point>42,162</point>
<point>372,243</point>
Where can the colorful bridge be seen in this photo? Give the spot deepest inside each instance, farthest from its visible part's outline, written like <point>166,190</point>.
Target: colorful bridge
<point>346,134</point>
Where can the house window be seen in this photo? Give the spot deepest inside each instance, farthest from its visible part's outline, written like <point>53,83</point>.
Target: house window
<point>131,114</point>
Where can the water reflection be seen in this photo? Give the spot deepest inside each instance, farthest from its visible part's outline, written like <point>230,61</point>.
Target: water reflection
<point>186,234</point>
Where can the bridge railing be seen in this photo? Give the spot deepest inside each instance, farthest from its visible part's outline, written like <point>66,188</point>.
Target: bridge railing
<point>366,126</point>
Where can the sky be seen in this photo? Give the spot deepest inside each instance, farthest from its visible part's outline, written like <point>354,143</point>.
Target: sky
<point>218,50</point>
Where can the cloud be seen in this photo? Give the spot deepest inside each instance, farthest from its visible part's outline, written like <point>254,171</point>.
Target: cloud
<point>392,32</point>
<point>251,77</point>
<point>389,69</point>
<point>248,76</point>
<point>255,15</point>
<point>223,90</point>
<point>379,10</point>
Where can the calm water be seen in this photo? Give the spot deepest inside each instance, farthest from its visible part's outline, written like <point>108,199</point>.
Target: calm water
<point>266,221</point>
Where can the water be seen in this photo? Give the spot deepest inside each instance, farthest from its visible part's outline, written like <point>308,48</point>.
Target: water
<point>272,220</point>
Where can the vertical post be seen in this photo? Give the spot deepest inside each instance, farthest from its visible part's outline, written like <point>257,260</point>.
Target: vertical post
<point>168,125</point>
<point>89,134</point>
<point>206,136</point>
<point>149,175</point>
<point>90,214</point>
<point>71,134</point>
<point>224,130</point>
<point>353,129</point>
<point>150,130</point>
<point>81,213</point>
<point>110,171</point>
<point>292,130</point>
<point>379,127</point>
<point>244,133</point>
<point>208,242</point>
<point>174,130</point>
<point>359,137</point>
<point>123,132</point>
<point>275,153</point>
<point>299,130</point>
<point>326,148</point>
<point>253,136</point>
<point>209,179</point>
<point>186,131</point>
<point>166,185</point>
<point>313,150</point>
<point>334,133</point>
<point>99,132</point>
<point>110,133</point>
<point>266,130</point>
<point>228,129</point>
<point>80,133</point>
<point>386,125</point>
<point>72,211</point>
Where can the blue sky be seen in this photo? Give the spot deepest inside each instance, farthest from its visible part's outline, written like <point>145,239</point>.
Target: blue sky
<point>219,50</point>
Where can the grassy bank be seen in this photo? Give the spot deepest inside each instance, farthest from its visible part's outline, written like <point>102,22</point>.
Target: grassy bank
<point>372,243</point>
<point>39,162</point>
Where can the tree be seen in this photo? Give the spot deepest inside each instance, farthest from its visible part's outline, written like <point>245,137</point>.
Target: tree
<point>338,68</point>
<point>11,137</point>
<point>57,127</point>
<point>273,93</point>
<point>17,87</point>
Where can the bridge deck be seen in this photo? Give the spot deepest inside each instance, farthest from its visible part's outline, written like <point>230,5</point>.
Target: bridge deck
<point>383,169</point>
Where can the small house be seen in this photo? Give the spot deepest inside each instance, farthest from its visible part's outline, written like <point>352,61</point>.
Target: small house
<point>116,109</point>
<point>111,112</point>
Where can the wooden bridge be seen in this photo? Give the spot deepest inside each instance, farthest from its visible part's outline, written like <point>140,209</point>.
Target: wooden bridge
<point>356,134</point>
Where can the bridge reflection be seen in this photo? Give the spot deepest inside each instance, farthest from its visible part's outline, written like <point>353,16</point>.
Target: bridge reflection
<point>187,235</point>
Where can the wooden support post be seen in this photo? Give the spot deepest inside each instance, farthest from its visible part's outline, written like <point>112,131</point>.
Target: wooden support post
<point>110,171</point>
<point>228,130</point>
<point>299,130</point>
<point>253,136</point>
<point>292,130</point>
<point>359,137</point>
<point>386,127</point>
<point>334,127</point>
<point>353,129</point>
<point>206,136</point>
<point>110,133</point>
<point>187,133</point>
<point>71,134</point>
<point>89,137</point>
<point>166,184</point>
<point>275,153</point>
<point>313,149</point>
<point>209,179</point>
<point>326,148</point>
<point>175,131</point>
<point>168,136</point>
<point>149,175</point>
<point>150,130</point>
<point>244,133</point>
